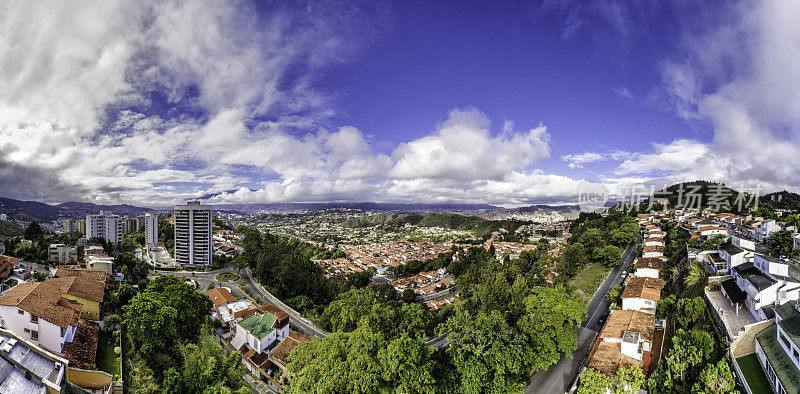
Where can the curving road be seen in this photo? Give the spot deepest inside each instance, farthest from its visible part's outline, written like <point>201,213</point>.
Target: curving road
<point>559,377</point>
<point>204,279</point>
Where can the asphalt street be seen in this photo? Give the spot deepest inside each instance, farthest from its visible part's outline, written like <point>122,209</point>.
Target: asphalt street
<point>559,377</point>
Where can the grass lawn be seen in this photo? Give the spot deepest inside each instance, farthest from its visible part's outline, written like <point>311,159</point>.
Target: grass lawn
<point>753,373</point>
<point>106,359</point>
<point>588,280</point>
<point>227,277</point>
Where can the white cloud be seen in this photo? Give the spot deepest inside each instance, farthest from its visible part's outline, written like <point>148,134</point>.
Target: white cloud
<point>462,148</point>
<point>578,160</point>
<point>740,77</point>
<point>678,155</point>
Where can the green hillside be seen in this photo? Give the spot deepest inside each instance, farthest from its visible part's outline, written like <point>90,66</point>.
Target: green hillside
<point>440,219</point>
<point>10,229</point>
<point>782,200</point>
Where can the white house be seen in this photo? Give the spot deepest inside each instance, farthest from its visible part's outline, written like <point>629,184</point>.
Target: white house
<point>653,251</point>
<point>626,339</point>
<point>710,231</point>
<point>641,294</point>
<point>647,267</point>
<point>766,281</point>
<point>766,229</point>
<point>258,331</point>
<point>734,254</point>
<point>38,313</point>
<point>778,349</point>
<point>654,241</point>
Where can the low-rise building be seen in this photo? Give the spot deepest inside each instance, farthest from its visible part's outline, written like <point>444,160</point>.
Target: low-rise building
<point>626,339</point>
<point>642,294</point>
<point>647,267</point>
<point>86,292</point>
<point>778,349</point>
<point>262,330</point>
<point>227,308</point>
<point>62,254</point>
<point>37,312</point>
<point>97,275</point>
<point>653,251</point>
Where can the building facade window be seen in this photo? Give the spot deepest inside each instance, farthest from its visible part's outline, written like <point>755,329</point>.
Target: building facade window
<point>34,319</point>
<point>35,335</point>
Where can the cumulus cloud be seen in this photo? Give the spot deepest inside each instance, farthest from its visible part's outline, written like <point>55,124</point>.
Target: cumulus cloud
<point>462,148</point>
<point>738,77</point>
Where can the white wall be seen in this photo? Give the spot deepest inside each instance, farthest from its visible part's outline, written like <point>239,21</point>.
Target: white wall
<point>639,304</point>
<point>646,272</point>
<point>49,334</point>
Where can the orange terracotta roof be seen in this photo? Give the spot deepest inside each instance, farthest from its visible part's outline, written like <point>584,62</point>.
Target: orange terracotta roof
<point>79,287</point>
<point>286,346</point>
<point>97,275</point>
<point>44,301</point>
<point>643,287</point>
<point>220,295</point>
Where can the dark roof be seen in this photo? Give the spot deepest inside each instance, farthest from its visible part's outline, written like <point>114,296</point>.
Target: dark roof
<point>715,257</point>
<point>771,258</point>
<point>787,372</point>
<point>754,276</point>
<point>790,321</point>
<point>731,248</point>
<point>735,294</point>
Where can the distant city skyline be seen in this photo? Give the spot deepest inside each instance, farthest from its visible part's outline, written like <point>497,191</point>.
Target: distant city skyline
<point>155,104</point>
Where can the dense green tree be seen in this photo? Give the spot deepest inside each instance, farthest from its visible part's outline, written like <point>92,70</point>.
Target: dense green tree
<point>572,260</point>
<point>359,279</point>
<point>593,238</point>
<point>615,295</point>
<point>782,242</point>
<point>690,311</point>
<point>629,379</point>
<point>361,361</point>
<point>697,275</point>
<point>492,351</point>
<point>609,255</point>
<point>150,324</point>
<point>622,237</point>
<point>715,378</point>
<point>192,305</point>
<point>34,231</point>
<point>593,382</point>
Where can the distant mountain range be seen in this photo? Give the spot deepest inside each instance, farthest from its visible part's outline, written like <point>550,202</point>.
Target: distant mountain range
<point>361,206</point>
<point>32,210</point>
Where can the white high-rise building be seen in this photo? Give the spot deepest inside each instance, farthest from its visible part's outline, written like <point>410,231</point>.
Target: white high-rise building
<point>151,228</point>
<point>193,234</point>
<point>104,225</point>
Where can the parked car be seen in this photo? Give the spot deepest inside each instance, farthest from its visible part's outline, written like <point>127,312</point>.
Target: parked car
<point>624,274</point>
<point>602,320</point>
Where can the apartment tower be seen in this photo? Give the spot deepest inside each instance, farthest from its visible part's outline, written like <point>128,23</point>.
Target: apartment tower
<point>151,228</point>
<point>193,234</point>
<point>104,225</point>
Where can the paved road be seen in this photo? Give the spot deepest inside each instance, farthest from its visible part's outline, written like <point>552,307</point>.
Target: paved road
<point>204,279</point>
<point>559,377</point>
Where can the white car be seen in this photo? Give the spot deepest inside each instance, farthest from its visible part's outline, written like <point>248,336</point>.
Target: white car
<point>624,274</point>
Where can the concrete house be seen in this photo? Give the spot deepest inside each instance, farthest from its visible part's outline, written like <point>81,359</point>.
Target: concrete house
<point>642,294</point>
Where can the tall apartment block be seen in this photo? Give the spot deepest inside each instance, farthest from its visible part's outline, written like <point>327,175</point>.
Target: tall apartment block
<point>105,225</point>
<point>193,234</point>
<point>151,228</point>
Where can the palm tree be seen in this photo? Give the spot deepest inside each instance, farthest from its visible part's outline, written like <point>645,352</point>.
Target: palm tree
<point>697,274</point>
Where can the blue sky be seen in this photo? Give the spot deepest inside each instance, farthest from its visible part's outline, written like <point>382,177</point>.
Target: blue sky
<point>507,103</point>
